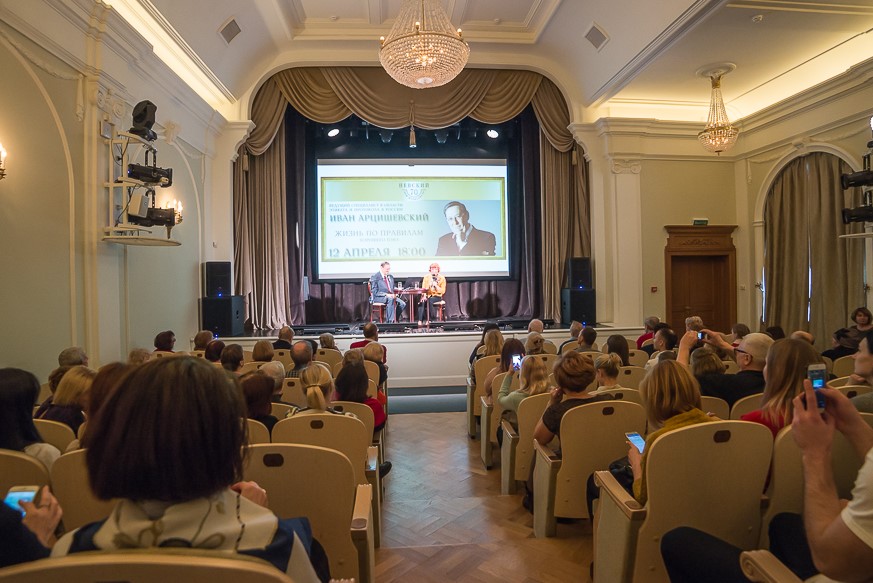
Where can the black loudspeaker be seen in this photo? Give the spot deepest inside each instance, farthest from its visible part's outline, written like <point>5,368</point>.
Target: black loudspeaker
<point>579,305</point>
<point>216,279</point>
<point>224,316</point>
<point>579,273</point>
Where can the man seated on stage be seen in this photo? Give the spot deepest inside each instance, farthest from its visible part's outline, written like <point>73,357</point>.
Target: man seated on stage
<point>382,290</point>
<point>435,284</point>
<point>464,239</point>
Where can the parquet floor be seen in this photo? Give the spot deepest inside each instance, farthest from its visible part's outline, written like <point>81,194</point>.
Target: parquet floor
<point>444,518</point>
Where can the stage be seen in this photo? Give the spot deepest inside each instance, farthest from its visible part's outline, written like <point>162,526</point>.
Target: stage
<point>435,356</point>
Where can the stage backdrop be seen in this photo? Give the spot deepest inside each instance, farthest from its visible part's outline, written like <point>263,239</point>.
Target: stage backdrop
<point>329,95</point>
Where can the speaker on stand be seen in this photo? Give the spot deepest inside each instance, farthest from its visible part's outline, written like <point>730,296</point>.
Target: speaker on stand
<point>579,305</point>
<point>220,311</point>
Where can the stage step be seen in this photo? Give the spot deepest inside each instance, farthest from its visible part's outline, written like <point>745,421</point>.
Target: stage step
<point>427,400</point>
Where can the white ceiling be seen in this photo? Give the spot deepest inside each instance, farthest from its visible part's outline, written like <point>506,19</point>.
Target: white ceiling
<point>646,69</point>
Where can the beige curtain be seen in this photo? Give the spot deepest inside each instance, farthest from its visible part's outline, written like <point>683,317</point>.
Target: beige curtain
<point>260,234</point>
<point>802,224</point>
<point>330,94</point>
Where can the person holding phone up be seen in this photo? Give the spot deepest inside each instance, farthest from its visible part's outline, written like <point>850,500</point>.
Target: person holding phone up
<point>28,530</point>
<point>512,349</point>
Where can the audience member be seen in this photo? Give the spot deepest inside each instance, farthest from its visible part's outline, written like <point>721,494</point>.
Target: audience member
<point>533,379</point>
<point>863,320</point>
<point>606,369</point>
<point>775,332</point>
<point>650,348</point>
<point>355,356</point>
<point>318,388</point>
<point>512,347</point>
<point>843,345</point>
<point>18,391</point>
<point>351,385</point>
<point>262,351</point>
<point>54,380</point>
<point>787,362</point>
<point>738,332</point>
<point>587,337</point>
<point>575,328</point>
<point>202,338</point>
<point>189,495</point>
<point>649,331</point>
<point>213,351</point>
<point>803,335</point>
<point>232,357</point>
<point>751,356</point>
<point>109,379</point>
<point>535,325</point>
<point>487,328</point>
<point>665,341</point>
<point>704,361</point>
<point>371,334</point>
<point>534,343</point>
<point>258,390</point>
<point>327,341</point>
<point>29,537</point>
<point>138,356</point>
<point>617,344</point>
<point>492,345</point>
<point>301,355</point>
<point>694,323</point>
<point>73,356</point>
<point>864,373</point>
<point>374,353</point>
<point>71,398</point>
<point>276,371</point>
<point>165,341</point>
<point>285,339</point>
<point>834,538</point>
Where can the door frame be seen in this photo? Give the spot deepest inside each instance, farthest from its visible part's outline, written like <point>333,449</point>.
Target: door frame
<point>693,241</point>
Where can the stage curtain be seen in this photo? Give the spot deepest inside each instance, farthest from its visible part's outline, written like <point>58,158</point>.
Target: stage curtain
<point>802,223</point>
<point>260,235</point>
<point>330,94</point>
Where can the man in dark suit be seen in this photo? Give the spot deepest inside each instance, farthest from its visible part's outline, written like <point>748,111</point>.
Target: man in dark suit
<point>382,290</point>
<point>465,239</point>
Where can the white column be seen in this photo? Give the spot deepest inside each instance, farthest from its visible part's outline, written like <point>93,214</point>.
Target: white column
<point>626,240</point>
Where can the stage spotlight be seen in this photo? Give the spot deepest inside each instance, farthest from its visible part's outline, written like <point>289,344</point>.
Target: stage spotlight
<point>441,136</point>
<point>334,132</point>
<point>492,134</point>
<point>143,120</point>
<point>386,136</point>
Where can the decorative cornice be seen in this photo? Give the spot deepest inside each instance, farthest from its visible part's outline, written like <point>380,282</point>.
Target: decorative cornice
<point>626,166</point>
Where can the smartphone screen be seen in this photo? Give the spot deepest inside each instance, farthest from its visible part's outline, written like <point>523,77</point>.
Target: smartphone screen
<point>637,440</point>
<point>516,361</point>
<point>14,496</point>
<point>701,336</point>
<point>817,374</point>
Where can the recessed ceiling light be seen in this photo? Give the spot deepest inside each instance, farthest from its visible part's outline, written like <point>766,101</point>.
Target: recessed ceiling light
<point>492,134</point>
<point>333,133</point>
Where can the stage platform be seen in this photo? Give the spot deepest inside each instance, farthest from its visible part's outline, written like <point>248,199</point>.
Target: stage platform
<point>425,357</point>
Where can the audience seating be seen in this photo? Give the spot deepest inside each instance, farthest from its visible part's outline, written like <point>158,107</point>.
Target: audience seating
<point>829,364</point>
<point>763,567</point>
<point>328,355</point>
<point>249,367</point>
<point>283,355</point>
<point>166,354</point>
<point>71,487</point>
<point>637,357</point>
<point>247,356</point>
<point>549,347</point>
<point>143,566</point>
<point>45,391</point>
<point>372,371</point>
<point>258,432</point>
<point>648,342</point>
<point>474,392</point>
<point>622,394</point>
<point>373,389</point>
<point>279,410</point>
<point>746,405</point>
<point>630,376</point>
<point>292,392</point>
<point>516,453</point>
<point>592,436</point>
<point>854,390</point>
<point>716,406</point>
<point>569,347</point>
<point>840,382</point>
<point>197,353</point>
<point>550,360</point>
<point>731,367</point>
<point>490,419</point>
<point>20,469</point>
<point>346,435</point>
<point>321,484</point>
<point>719,493</point>
<point>365,414</point>
<point>55,433</point>
<point>844,366</point>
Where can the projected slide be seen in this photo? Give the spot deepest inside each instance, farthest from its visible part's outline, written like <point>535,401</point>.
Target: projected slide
<point>369,212</point>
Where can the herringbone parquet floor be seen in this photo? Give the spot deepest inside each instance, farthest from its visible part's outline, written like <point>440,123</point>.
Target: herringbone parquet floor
<point>444,518</point>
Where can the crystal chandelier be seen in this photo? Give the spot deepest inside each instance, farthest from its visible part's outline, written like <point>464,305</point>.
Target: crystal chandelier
<point>423,49</point>
<point>719,135</point>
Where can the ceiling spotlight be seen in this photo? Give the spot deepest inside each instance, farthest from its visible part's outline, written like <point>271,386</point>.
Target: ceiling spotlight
<point>441,136</point>
<point>386,136</point>
<point>334,132</point>
<point>492,134</point>
<point>143,120</point>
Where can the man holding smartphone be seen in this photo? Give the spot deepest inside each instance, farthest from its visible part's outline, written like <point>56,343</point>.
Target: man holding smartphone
<point>29,531</point>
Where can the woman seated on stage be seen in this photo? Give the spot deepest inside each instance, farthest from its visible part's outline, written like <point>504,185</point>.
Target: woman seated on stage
<point>606,369</point>
<point>263,351</point>
<point>71,398</point>
<point>511,347</point>
<point>435,285</point>
<point>533,379</point>
<point>18,391</point>
<point>190,494</point>
<point>351,385</point>
<point>258,391</point>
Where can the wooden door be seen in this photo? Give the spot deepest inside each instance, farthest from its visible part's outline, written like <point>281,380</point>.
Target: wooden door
<point>698,289</point>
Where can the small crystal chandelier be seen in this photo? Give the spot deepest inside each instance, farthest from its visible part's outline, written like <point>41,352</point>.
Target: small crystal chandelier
<point>423,49</point>
<point>719,135</point>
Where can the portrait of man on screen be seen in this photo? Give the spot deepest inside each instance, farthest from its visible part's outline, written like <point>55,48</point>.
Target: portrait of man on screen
<point>464,239</point>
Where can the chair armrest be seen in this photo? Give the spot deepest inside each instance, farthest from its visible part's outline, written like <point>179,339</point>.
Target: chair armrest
<point>609,486</point>
<point>764,567</point>
<point>372,458</point>
<point>361,522</point>
<point>547,454</point>
<point>509,431</point>
<point>363,533</point>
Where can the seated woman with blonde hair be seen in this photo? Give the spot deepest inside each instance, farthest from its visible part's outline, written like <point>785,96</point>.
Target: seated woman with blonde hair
<point>318,387</point>
<point>71,398</point>
<point>263,351</point>
<point>606,369</point>
<point>533,379</point>
<point>534,343</point>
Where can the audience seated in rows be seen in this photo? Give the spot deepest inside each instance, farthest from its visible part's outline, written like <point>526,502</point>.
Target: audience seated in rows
<point>351,384</point>
<point>575,328</point>
<point>587,338</point>
<point>138,356</point>
<point>276,371</point>
<point>213,351</point>
<point>863,319</point>
<point>492,345</point>
<point>371,334</point>
<point>649,332</point>
<point>190,494</point>
<point>18,391</point>
<point>286,338</point>
<point>533,379</point>
<point>843,344</point>
<point>258,390</point>
<point>54,380</point>
<point>301,355</point>
<point>534,343</point>
<point>165,341</point>
<point>775,332</point>
<point>738,332</point>
<point>704,361</point>
<point>786,369</point>
<point>202,339</point>
<point>73,356</point>
<point>70,399</point>
<point>693,323</point>
<point>327,341</point>
<point>232,357</point>
<point>485,329</point>
<point>804,336</point>
<point>650,349</point>
<point>109,379</point>
<point>751,356</point>
<point>262,351</point>
<point>617,344</point>
<point>512,347</point>
<point>535,325</point>
<point>375,352</point>
<point>606,369</point>
<point>664,341</point>
<point>317,384</point>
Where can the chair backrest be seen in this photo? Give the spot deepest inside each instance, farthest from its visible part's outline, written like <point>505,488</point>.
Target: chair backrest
<point>359,410</point>
<point>622,394</point>
<point>247,356</point>
<point>844,366</point>
<point>55,433</point>
<point>854,390</point>
<point>372,371</point>
<point>45,390</point>
<point>372,388</point>
<point>283,355</point>
<point>630,376</point>
<point>530,410</point>
<point>708,476</point>
<point>840,382</point>
<point>139,567</point>
<point>315,482</point>
<point>292,392</point>
<point>731,367</point>
<point>71,487</point>
<point>279,410</point>
<point>718,407</point>
<point>258,432</point>
<point>569,347</point>
<point>497,411</point>
<point>19,469</point>
<point>637,357</point>
<point>746,405</point>
<point>829,364</point>
<point>328,355</point>
<point>249,367</point>
<point>481,350</point>
<point>482,367</point>
<point>197,353</point>
<point>166,354</point>
<point>592,436</point>
<point>345,434</point>
<point>648,342</point>
<point>549,347</point>
<point>549,359</point>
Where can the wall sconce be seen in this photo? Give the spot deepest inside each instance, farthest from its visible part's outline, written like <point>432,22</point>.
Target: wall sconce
<point>2,162</point>
<point>177,208</point>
